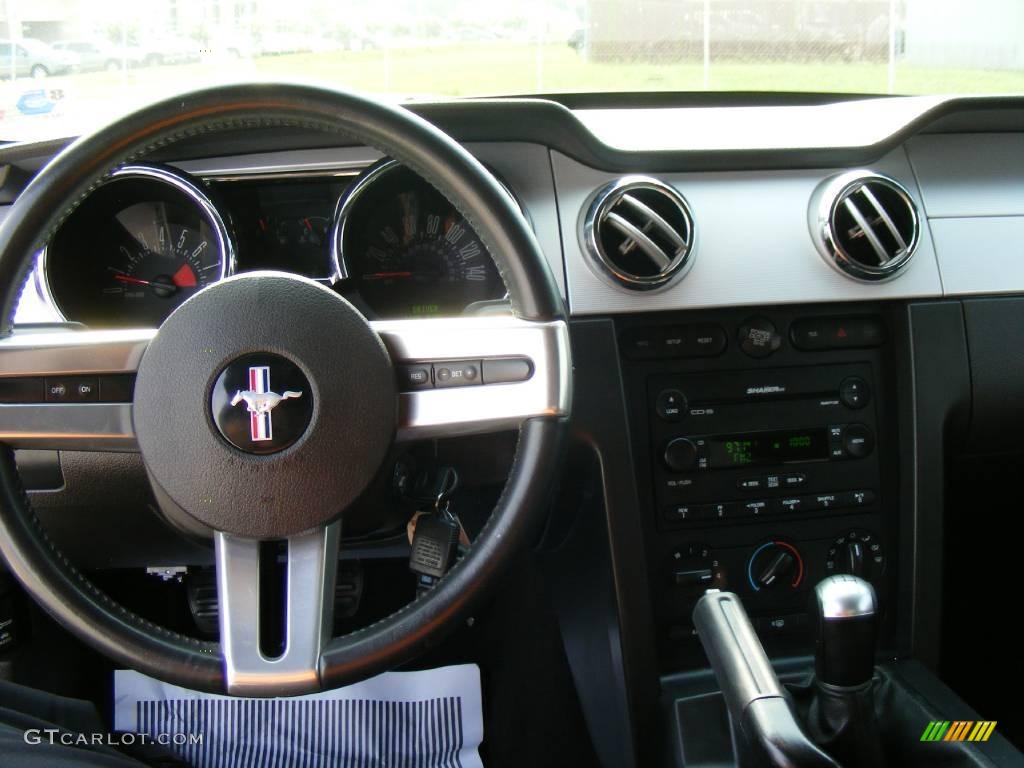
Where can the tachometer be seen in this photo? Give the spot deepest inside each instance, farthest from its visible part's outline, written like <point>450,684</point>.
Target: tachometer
<point>136,249</point>
<point>406,249</point>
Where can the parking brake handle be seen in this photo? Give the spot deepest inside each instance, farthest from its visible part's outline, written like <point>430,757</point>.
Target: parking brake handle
<point>757,703</point>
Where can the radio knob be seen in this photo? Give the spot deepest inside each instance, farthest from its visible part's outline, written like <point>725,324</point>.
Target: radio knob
<point>681,455</point>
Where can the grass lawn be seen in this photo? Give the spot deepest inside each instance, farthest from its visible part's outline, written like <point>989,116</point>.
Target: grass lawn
<point>468,70</point>
<point>500,69</point>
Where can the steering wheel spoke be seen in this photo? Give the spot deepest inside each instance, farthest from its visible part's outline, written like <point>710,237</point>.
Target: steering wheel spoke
<point>445,407</point>
<point>34,363</point>
<point>308,611</point>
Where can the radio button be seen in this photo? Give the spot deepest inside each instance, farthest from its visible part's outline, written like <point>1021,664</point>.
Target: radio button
<point>836,449</point>
<point>750,484</point>
<point>678,513</point>
<point>858,441</point>
<point>794,480</point>
<point>857,498</point>
<point>826,501</point>
<point>854,392</point>
<point>720,511</point>
<point>790,504</point>
<point>670,405</point>
<point>755,508</point>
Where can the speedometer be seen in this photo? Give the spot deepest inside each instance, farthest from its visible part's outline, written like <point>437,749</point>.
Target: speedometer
<point>135,249</point>
<point>406,249</point>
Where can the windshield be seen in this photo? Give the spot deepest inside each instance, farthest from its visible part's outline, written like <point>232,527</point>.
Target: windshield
<point>428,49</point>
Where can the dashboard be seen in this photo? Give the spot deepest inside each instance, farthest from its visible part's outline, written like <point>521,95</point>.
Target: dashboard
<point>784,318</point>
<point>152,235</point>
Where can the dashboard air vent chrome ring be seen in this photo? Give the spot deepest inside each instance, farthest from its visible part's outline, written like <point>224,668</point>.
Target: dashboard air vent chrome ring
<point>865,225</point>
<point>639,232</point>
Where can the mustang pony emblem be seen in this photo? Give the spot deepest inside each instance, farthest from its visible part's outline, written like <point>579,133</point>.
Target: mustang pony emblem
<point>260,401</point>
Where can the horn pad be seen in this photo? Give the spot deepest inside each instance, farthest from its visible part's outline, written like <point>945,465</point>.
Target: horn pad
<point>265,405</point>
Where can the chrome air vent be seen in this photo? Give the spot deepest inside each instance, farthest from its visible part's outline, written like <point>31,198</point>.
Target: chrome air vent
<point>865,225</point>
<point>638,231</point>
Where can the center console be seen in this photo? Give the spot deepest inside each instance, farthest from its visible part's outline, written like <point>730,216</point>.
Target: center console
<point>766,450</point>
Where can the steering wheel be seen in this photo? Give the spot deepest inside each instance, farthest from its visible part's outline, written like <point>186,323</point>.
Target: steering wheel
<point>342,413</point>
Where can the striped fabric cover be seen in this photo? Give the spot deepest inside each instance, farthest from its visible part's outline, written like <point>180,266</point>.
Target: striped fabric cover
<point>399,719</point>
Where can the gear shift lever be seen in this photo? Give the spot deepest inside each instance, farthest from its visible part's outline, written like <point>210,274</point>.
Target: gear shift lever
<point>844,653</point>
<point>842,716</point>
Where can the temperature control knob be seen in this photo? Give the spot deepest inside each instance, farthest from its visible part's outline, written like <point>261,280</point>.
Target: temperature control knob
<point>859,553</point>
<point>681,455</point>
<point>775,565</point>
<point>694,568</point>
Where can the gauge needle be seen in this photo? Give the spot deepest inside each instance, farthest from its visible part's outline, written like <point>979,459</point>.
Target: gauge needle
<point>134,280</point>
<point>385,275</point>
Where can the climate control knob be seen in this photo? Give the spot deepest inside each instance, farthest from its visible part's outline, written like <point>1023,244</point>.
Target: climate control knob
<point>775,565</point>
<point>681,455</point>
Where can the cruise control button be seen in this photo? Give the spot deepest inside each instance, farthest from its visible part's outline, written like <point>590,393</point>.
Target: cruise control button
<point>85,390</point>
<point>58,390</point>
<point>414,377</point>
<point>461,373</point>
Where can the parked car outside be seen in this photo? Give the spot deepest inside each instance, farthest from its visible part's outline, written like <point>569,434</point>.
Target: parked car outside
<point>94,56</point>
<point>28,57</point>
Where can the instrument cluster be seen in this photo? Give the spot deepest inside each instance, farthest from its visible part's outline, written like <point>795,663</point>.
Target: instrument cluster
<point>151,236</point>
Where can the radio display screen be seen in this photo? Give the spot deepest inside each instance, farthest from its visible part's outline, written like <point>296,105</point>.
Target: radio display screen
<point>767,448</point>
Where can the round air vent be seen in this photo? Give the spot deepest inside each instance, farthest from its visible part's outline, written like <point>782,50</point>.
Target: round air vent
<point>639,232</point>
<point>865,224</point>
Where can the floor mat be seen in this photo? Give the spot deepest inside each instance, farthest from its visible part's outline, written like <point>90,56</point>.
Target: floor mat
<point>427,718</point>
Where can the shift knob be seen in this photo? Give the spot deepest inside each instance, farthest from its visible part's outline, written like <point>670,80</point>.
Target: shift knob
<point>846,630</point>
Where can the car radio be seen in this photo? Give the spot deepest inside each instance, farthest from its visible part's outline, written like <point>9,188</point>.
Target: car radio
<point>731,445</point>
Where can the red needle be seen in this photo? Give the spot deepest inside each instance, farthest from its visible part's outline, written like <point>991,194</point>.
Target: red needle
<point>385,275</point>
<point>127,279</point>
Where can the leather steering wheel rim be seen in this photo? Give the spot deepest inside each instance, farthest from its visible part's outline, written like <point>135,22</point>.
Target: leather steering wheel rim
<point>127,638</point>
